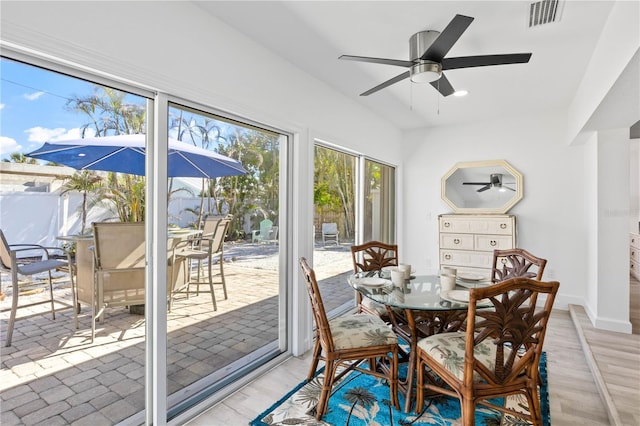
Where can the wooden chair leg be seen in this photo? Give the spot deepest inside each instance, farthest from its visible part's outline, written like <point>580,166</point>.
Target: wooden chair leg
<point>316,358</point>
<point>327,384</point>
<point>420,386</point>
<point>393,381</point>
<point>468,408</point>
<point>534,405</point>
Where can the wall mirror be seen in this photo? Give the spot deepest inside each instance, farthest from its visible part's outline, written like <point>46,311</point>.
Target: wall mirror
<point>492,186</point>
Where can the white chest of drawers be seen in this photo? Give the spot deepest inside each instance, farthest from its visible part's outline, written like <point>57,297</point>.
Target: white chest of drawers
<point>467,241</point>
<point>634,255</point>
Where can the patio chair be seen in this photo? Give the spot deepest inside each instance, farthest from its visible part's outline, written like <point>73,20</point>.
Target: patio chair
<point>273,235</point>
<point>498,354</point>
<point>119,260</point>
<point>330,233</point>
<point>206,247</point>
<point>347,341</point>
<point>46,261</point>
<point>263,234</point>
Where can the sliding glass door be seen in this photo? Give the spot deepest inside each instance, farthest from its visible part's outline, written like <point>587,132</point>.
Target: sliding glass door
<point>228,293</point>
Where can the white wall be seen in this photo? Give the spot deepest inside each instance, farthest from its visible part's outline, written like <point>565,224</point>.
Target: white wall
<point>608,301</point>
<point>550,218</point>
<point>634,188</point>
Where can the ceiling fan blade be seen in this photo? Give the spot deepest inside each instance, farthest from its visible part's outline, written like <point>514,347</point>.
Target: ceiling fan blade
<point>443,86</point>
<point>447,38</point>
<point>387,83</point>
<point>484,188</point>
<point>485,60</point>
<point>476,183</point>
<point>510,189</point>
<point>396,62</point>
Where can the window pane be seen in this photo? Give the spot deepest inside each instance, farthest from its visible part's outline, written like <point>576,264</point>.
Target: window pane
<point>379,203</point>
<point>214,335</point>
<point>334,225</point>
<point>102,380</point>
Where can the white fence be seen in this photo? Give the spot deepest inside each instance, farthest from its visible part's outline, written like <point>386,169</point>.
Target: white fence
<point>39,217</point>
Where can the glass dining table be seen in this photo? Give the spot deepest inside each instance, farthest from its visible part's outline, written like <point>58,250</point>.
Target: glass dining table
<point>417,309</point>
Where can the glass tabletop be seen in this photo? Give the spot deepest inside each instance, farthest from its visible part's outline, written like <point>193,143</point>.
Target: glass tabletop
<point>421,292</point>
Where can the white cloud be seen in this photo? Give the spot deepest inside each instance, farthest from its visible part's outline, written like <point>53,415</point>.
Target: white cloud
<point>8,145</point>
<point>32,96</point>
<point>2,106</point>
<point>41,134</point>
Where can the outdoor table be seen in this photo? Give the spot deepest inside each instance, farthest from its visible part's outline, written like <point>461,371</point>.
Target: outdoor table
<point>417,310</point>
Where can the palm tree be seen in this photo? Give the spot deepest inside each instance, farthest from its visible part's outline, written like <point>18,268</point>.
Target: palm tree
<point>359,395</point>
<point>109,113</point>
<point>18,157</point>
<point>83,181</point>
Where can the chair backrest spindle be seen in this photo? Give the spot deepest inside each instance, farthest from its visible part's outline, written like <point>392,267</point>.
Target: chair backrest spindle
<point>317,306</point>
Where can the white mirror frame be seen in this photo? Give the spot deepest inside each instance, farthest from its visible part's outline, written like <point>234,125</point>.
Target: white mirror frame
<point>451,184</point>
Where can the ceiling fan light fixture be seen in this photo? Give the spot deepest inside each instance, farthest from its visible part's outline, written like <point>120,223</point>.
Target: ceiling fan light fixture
<point>426,72</point>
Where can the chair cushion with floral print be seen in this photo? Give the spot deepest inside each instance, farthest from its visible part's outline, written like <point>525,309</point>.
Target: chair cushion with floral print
<point>448,350</point>
<point>374,306</point>
<point>360,330</point>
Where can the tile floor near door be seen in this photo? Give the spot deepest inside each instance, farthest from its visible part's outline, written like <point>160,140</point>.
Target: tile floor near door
<point>573,393</point>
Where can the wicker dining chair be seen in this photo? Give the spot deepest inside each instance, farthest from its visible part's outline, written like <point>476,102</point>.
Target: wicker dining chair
<point>516,262</point>
<point>369,257</point>
<point>498,354</point>
<point>346,341</point>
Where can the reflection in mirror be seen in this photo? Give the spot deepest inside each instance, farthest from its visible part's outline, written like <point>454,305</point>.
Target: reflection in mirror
<point>482,187</point>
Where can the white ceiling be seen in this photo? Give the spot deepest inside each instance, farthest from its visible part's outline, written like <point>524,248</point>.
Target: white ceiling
<point>313,34</point>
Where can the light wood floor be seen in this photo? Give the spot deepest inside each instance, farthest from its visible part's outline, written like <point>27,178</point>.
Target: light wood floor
<point>615,361</point>
<point>573,391</point>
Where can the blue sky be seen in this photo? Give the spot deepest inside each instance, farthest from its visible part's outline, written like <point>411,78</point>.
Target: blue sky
<point>32,107</point>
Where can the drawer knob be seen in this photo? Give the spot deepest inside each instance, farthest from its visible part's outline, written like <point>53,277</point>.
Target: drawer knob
<point>456,241</point>
<point>503,226</point>
<point>447,224</point>
<point>493,243</point>
<point>447,256</point>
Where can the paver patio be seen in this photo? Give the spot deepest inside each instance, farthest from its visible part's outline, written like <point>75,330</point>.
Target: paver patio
<point>52,374</point>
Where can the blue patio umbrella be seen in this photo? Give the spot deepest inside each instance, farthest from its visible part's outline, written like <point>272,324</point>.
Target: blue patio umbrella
<point>126,154</point>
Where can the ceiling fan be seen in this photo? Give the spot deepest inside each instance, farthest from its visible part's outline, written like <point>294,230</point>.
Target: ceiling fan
<point>427,51</point>
<point>495,181</point>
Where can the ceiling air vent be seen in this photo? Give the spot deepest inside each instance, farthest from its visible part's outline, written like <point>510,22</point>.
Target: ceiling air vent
<point>545,12</point>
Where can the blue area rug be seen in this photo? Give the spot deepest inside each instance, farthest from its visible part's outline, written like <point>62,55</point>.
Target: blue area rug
<point>360,399</point>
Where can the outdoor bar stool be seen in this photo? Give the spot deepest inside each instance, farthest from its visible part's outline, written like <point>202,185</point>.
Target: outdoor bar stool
<point>205,247</point>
